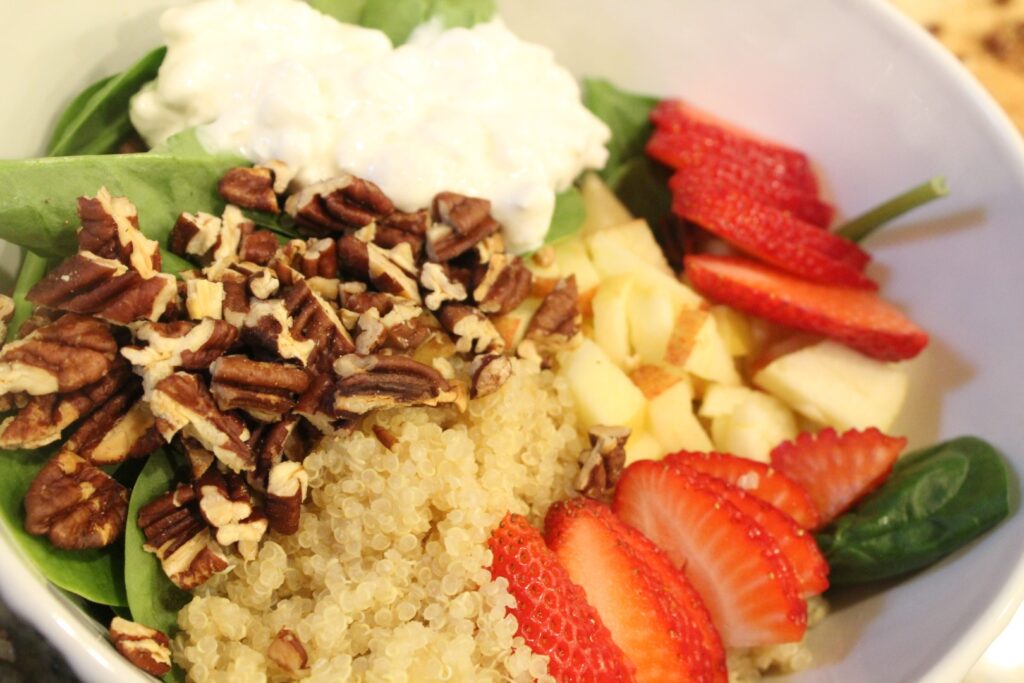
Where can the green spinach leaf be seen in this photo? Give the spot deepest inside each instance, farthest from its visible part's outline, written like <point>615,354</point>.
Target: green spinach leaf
<point>346,11</point>
<point>626,114</point>
<point>568,216</point>
<point>935,501</point>
<point>95,575</point>
<point>97,120</point>
<point>396,19</point>
<point>399,19</point>
<point>185,144</point>
<point>33,268</point>
<point>152,598</point>
<point>464,13</point>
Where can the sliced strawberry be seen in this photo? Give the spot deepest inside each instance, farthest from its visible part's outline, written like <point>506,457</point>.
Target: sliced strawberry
<point>838,470</point>
<point>743,578</point>
<point>706,168</point>
<point>767,159</point>
<point>854,317</point>
<point>553,614</point>
<point>799,547</point>
<point>773,235</point>
<point>757,479</point>
<point>642,616</point>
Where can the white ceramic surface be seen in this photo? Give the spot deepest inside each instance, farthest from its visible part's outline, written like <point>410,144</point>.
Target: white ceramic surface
<point>877,105</point>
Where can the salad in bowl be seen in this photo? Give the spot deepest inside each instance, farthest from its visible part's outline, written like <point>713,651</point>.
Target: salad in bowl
<point>365,341</point>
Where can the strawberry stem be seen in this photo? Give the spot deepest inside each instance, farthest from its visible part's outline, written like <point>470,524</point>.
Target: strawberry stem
<point>865,224</point>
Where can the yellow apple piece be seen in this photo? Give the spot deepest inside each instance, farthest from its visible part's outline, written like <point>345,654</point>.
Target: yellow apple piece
<point>512,326</point>
<point>695,346</point>
<point>652,317</point>
<point>603,394</point>
<point>643,446</point>
<point>756,425</point>
<point>722,399</point>
<point>610,307</point>
<point>735,330</point>
<point>671,419</point>
<point>834,385</point>
<point>626,248</point>
<point>571,259</point>
<point>603,208</point>
<point>652,380</point>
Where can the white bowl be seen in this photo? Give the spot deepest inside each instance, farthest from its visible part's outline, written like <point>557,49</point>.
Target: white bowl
<point>878,106</point>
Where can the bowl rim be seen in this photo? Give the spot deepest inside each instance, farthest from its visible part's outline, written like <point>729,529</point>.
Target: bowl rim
<point>82,641</point>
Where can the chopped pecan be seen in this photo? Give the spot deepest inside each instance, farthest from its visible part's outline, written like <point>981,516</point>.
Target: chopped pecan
<point>110,229</point>
<point>146,648</point>
<point>320,258</point>
<point>64,355</point>
<point>199,459</point>
<point>386,438</point>
<point>177,534</point>
<point>250,188</point>
<point>264,284</point>
<point>181,402</point>
<point>286,489</point>
<point>75,504</point>
<point>370,382</point>
<point>316,405</point>
<point>329,288</point>
<point>314,320</point>
<point>338,204</point>
<point>434,278</point>
<point>544,257</point>
<point>266,391</point>
<point>194,236</point>
<point>557,321</point>
<point>389,270</point>
<point>6,313</point>
<point>473,331</point>
<point>287,652</point>
<point>182,345</point>
<point>122,428</point>
<point>225,250</point>
<point>91,285</point>
<point>257,246</point>
<point>489,372</point>
<point>42,419</point>
<point>502,284</point>
<point>271,444</point>
<point>236,296</point>
<point>401,227</point>
<point>204,299</point>
<point>268,327</point>
<point>227,505</point>
<point>460,222</point>
<point>602,465</point>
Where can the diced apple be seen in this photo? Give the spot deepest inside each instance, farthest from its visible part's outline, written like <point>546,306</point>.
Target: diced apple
<point>734,328</point>
<point>626,248</point>
<point>834,385</point>
<point>512,326</point>
<point>652,380</point>
<point>603,394</point>
<point>652,317</point>
<point>758,424</point>
<point>696,347</point>
<point>611,317</point>
<point>671,419</point>
<point>603,208</point>
<point>643,446</point>
<point>722,399</point>
<point>571,259</point>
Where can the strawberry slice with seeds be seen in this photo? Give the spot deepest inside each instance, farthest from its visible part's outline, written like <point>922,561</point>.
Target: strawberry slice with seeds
<point>857,318</point>
<point>745,581</point>
<point>643,617</point>
<point>772,235</point>
<point>838,470</point>
<point>707,169</point>
<point>767,159</point>
<point>553,614</point>
<point>757,479</point>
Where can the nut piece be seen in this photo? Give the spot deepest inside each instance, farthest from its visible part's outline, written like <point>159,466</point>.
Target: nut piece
<point>399,227</point>
<point>502,284</point>
<point>460,222</point>
<point>266,391</point>
<point>146,648</point>
<point>181,345</point>
<point>317,404</point>
<point>204,299</point>
<point>181,402</point>
<point>194,236</point>
<point>389,270</point>
<point>257,246</point>
<point>75,504</point>
<point>92,285</point>
<point>386,438</point>
<point>176,533</point>
<point>268,327</point>
<point>489,373</point>
<point>473,331</point>
<point>370,382</point>
<point>122,428</point>
<point>227,505</point>
<point>65,355</point>
<point>338,204</point>
<point>6,313</point>
<point>558,319</point>
<point>287,652</point>
<point>314,321</point>
<point>271,444</point>
<point>110,229</point>
<point>250,188</point>
<point>320,258</point>
<point>434,279</point>
<point>602,465</point>
<point>287,486</point>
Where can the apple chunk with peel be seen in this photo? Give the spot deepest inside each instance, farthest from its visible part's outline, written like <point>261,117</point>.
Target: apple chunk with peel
<point>652,380</point>
<point>602,392</point>
<point>696,347</point>
<point>671,419</point>
<point>757,424</point>
<point>837,386</point>
<point>512,326</point>
<point>603,208</point>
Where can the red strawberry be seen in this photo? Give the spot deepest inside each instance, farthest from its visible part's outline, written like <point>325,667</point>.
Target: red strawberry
<point>644,619</point>
<point>768,159</point>
<point>706,168</point>
<point>773,235</point>
<point>799,547</point>
<point>757,479</point>
<point>838,470</point>
<point>745,581</point>
<point>553,614</point>
<point>854,317</point>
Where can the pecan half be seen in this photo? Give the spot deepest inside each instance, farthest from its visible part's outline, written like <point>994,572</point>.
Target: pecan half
<point>91,285</point>
<point>177,534</point>
<point>266,391</point>
<point>75,504</point>
<point>110,229</point>
<point>473,331</point>
<point>146,648</point>
<point>122,428</point>
<point>287,485</point>
<point>287,652</point>
<point>434,278</point>
<point>268,327</point>
<point>338,204</point>
<point>460,222</point>
<point>489,372</point>
<point>558,319</point>
<point>314,320</point>
<point>250,188</point>
<point>65,355</point>
<point>602,465</point>
<point>181,402</point>
<point>502,284</point>
<point>389,270</point>
<point>227,505</point>
<point>182,345</point>
<point>370,382</point>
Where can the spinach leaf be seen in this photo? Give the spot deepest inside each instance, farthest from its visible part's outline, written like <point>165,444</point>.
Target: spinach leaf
<point>568,216</point>
<point>642,185</point>
<point>152,598</point>
<point>33,268</point>
<point>464,13</point>
<point>97,120</point>
<point>935,501</point>
<point>626,114</point>
<point>38,209</point>
<point>185,144</point>
<point>399,19</point>
<point>95,575</point>
<point>345,11</point>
